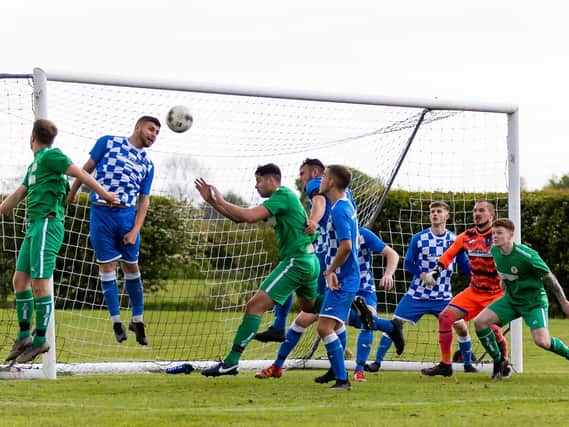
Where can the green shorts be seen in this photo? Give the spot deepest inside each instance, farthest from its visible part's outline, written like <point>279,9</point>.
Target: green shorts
<point>534,316</point>
<point>39,250</point>
<point>298,274</point>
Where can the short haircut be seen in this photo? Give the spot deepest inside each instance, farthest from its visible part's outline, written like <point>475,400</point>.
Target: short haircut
<point>145,119</point>
<point>488,202</point>
<point>507,223</point>
<point>44,131</point>
<point>439,204</point>
<point>341,175</point>
<point>313,163</point>
<point>269,169</point>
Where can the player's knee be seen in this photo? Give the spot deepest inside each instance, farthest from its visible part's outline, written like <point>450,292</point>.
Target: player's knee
<point>543,342</point>
<point>480,323</point>
<point>446,320</point>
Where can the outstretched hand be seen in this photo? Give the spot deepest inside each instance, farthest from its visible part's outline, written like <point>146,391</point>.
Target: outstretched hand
<point>209,193</point>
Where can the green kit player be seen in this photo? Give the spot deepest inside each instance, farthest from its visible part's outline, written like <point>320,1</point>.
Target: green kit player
<point>298,267</point>
<point>45,186</point>
<point>523,274</point>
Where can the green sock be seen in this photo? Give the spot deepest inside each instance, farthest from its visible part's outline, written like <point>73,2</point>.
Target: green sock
<point>488,340</point>
<point>559,347</point>
<point>43,312</point>
<point>24,312</point>
<point>245,333</point>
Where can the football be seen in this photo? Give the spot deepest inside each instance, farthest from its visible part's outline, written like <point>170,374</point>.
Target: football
<point>179,119</point>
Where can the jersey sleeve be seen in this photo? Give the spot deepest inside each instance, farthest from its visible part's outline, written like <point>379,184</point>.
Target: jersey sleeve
<point>312,188</point>
<point>56,161</point>
<point>372,240</point>
<point>411,257</point>
<point>463,263</point>
<point>147,181</point>
<point>99,149</point>
<point>539,265</point>
<point>452,252</point>
<point>276,203</point>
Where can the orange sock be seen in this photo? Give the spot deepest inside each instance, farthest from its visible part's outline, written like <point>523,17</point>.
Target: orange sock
<point>446,320</point>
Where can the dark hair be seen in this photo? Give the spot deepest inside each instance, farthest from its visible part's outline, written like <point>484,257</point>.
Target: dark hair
<point>269,169</point>
<point>341,175</point>
<point>152,119</point>
<point>44,131</point>
<point>488,202</point>
<point>507,223</point>
<point>313,163</point>
<point>439,204</point>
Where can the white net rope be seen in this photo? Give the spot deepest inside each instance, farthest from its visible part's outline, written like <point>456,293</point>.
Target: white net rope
<point>199,269</point>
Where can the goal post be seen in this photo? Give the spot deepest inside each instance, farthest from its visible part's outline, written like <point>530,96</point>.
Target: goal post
<point>199,269</point>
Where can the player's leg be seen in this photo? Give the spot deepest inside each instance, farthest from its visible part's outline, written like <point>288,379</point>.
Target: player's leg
<point>465,345</point>
<point>447,318</point>
<point>365,336</point>
<point>332,317</point>
<point>276,332</point>
<point>537,320</point>
<point>102,229</point>
<point>499,312</point>
<point>46,242</point>
<point>24,311</point>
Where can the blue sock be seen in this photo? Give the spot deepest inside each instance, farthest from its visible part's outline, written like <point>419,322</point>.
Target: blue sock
<point>111,292</point>
<point>281,313</point>
<point>383,348</point>
<point>354,320</point>
<point>365,339</point>
<point>292,337</point>
<point>336,356</point>
<point>136,294</point>
<point>342,336</point>
<point>465,345</point>
<point>382,324</point>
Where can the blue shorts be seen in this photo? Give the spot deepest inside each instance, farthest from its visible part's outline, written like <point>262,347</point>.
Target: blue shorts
<point>107,229</point>
<point>337,304</point>
<point>411,309</point>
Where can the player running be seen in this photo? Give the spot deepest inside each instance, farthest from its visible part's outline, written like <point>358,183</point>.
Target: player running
<point>523,275</point>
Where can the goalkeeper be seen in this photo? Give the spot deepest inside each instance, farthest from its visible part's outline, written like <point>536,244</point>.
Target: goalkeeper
<point>298,267</point>
<point>484,287</point>
<point>523,274</point>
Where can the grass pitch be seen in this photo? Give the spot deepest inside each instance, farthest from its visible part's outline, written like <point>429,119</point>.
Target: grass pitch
<point>539,396</point>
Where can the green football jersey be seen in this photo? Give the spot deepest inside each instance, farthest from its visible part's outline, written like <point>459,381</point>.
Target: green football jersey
<point>522,271</point>
<point>47,184</point>
<point>288,218</point>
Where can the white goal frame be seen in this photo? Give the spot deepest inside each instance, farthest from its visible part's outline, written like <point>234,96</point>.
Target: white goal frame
<point>49,367</point>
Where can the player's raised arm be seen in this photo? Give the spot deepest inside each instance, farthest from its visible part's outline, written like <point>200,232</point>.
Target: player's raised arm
<point>13,199</point>
<point>84,177</point>
<point>89,166</point>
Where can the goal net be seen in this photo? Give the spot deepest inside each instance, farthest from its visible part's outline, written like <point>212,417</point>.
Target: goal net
<point>198,268</point>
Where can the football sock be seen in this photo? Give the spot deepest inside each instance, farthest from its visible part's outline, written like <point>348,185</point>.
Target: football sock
<point>281,313</point>
<point>133,285</point>
<point>384,345</point>
<point>354,320</point>
<point>465,345</point>
<point>488,340</point>
<point>446,319</point>
<point>44,307</point>
<point>293,335</point>
<point>111,292</point>
<point>365,339</point>
<point>336,356</point>
<point>501,340</point>
<point>381,324</point>
<point>24,312</point>
<point>342,336</point>
<point>245,333</point>
<point>559,347</point>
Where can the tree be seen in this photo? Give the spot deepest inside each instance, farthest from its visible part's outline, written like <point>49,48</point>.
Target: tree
<point>555,183</point>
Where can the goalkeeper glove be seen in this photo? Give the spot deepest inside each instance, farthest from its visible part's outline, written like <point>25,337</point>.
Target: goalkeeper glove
<point>432,276</point>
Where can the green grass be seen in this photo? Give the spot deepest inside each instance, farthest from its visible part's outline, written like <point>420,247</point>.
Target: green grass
<point>539,396</point>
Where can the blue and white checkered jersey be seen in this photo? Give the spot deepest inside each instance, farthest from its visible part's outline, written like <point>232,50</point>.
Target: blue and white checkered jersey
<point>121,168</point>
<point>312,189</point>
<point>343,225</point>
<point>369,243</point>
<point>422,255</point>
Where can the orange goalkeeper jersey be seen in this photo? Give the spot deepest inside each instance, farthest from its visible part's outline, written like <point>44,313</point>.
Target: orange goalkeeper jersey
<point>484,277</point>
